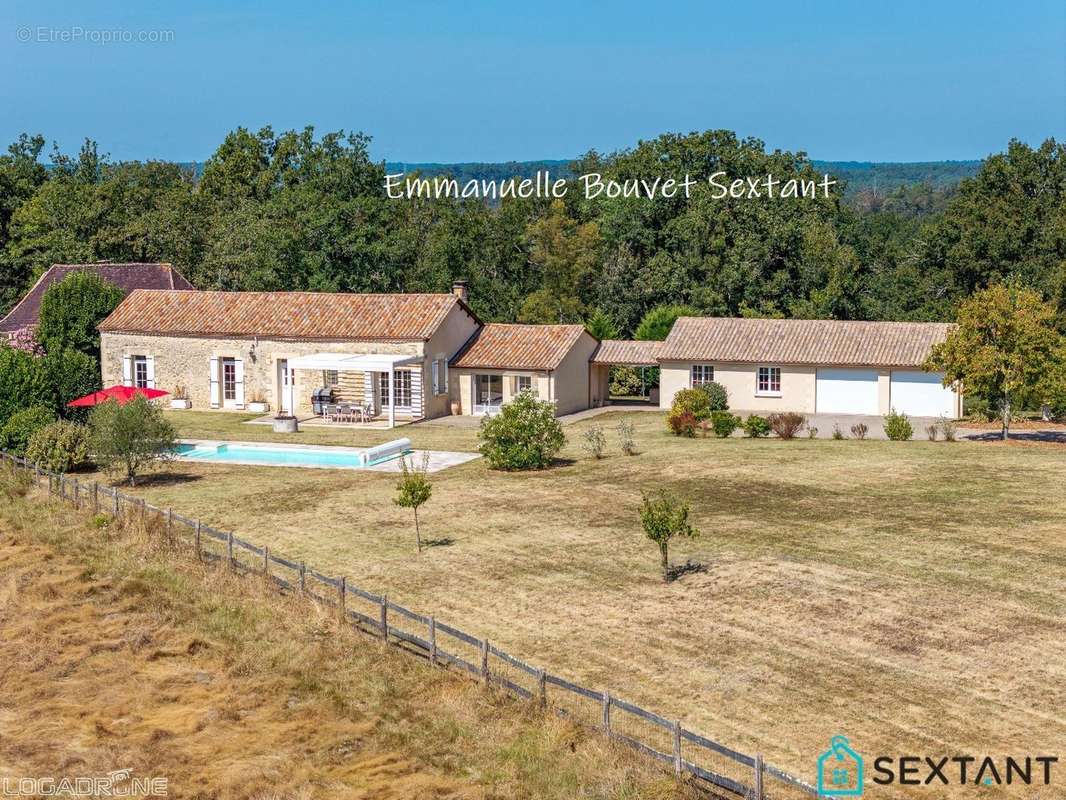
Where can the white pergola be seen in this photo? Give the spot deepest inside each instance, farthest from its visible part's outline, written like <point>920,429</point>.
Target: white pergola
<point>346,362</point>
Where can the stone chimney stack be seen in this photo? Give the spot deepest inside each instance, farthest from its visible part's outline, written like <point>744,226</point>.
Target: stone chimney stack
<point>461,289</point>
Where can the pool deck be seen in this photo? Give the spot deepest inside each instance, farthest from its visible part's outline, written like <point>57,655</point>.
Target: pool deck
<point>438,459</point>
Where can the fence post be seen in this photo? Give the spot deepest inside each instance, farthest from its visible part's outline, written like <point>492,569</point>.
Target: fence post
<point>37,475</point>
<point>199,552</point>
<point>96,497</point>
<point>303,577</point>
<point>758,777</point>
<point>77,494</point>
<point>607,713</point>
<point>677,748</point>
<point>62,487</point>
<point>385,618</point>
<point>485,661</point>
<point>542,688</point>
<point>170,523</point>
<point>266,561</point>
<point>432,640</point>
<point>144,512</point>
<point>229,548</point>
<point>342,592</point>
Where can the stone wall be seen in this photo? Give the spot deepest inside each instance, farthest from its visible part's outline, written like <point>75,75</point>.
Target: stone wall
<point>187,361</point>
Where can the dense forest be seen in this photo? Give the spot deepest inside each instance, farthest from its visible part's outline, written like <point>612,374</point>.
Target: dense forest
<point>299,211</point>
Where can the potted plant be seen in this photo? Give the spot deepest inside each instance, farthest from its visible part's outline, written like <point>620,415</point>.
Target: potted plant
<point>179,398</point>
<point>457,407</point>
<point>258,403</point>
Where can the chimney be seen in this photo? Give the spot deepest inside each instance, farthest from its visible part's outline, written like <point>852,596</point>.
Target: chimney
<point>461,289</point>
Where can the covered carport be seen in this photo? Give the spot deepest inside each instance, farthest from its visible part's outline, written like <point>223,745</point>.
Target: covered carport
<point>640,355</point>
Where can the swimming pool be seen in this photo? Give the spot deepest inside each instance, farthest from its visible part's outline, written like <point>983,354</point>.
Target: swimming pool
<point>281,455</point>
<point>380,458</point>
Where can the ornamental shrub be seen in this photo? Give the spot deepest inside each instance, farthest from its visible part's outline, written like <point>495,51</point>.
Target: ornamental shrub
<point>20,426</point>
<point>717,396</point>
<point>524,435</point>
<point>756,426</point>
<point>682,423</point>
<point>897,427</point>
<point>787,424</point>
<point>696,401</point>
<point>724,423</point>
<point>60,446</point>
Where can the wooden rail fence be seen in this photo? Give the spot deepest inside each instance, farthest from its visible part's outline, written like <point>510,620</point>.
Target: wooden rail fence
<point>664,740</point>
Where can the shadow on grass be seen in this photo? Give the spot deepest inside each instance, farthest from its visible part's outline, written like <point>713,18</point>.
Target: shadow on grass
<point>446,541</point>
<point>159,479</point>
<point>679,571</point>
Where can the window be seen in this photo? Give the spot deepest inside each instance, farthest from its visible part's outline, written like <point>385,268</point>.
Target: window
<point>436,377</point>
<point>769,381</point>
<point>701,374</point>
<point>140,371</point>
<point>401,384</point>
<point>523,383</point>
<point>229,379</point>
<point>330,377</point>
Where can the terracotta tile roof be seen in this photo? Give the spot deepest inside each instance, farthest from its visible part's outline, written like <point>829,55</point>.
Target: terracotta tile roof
<point>125,276</point>
<point>284,315</point>
<point>802,341</point>
<point>502,346</point>
<point>618,352</point>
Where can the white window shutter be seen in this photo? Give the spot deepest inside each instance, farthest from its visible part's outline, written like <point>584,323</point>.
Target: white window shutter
<point>216,387</point>
<point>127,370</point>
<point>444,366</point>
<point>368,389</point>
<point>149,368</point>
<point>238,370</point>
<point>417,410</point>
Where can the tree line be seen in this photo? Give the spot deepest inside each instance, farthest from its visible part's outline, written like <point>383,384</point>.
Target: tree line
<point>299,211</point>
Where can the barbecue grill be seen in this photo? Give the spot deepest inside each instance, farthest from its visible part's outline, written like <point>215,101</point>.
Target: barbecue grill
<point>320,398</point>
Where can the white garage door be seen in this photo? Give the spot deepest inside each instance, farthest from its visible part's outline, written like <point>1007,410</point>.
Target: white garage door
<point>920,394</point>
<point>847,391</point>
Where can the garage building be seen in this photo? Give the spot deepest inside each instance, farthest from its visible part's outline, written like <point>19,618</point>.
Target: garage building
<point>810,366</point>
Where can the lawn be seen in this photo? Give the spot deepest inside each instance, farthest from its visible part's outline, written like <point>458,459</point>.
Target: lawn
<point>909,595</point>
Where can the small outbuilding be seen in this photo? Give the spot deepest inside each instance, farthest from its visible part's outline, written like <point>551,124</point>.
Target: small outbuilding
<point>810,366</point>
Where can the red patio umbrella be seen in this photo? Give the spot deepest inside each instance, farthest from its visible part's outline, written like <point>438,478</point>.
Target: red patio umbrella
<point>121,394</point>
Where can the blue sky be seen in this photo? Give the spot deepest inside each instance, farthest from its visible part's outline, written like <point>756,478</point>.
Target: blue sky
<point>487,81</point>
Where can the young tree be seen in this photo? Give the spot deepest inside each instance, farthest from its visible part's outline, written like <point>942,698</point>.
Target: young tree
<point>131,438</point>
<point>413,490</point>
<point>71,310</point>
<point>663,517</point>
<point>1003,346</point>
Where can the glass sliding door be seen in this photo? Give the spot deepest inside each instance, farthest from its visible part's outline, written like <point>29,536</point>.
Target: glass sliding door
<point>488,393</point>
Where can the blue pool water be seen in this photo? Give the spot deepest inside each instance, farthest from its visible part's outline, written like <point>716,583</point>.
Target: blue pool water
<point>271,456</point>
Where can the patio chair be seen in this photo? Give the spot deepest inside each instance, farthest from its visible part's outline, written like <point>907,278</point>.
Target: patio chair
<point>330,411</point>
<point>368,411</point>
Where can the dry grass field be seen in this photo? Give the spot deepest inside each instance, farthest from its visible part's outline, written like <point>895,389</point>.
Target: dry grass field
<point>909,595</point>
<point>117,655</point>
